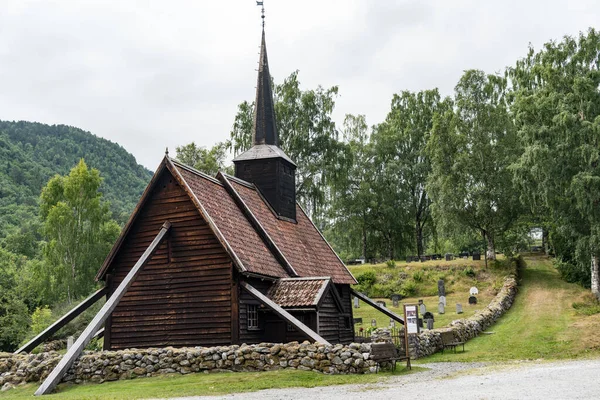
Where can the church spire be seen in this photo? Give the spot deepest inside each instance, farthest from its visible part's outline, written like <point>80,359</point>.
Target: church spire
<point>264,130</point>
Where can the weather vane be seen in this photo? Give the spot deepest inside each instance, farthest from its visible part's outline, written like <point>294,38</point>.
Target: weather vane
<point>262,11</point>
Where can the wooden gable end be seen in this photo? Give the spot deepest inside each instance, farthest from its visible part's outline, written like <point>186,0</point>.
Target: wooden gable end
<point>185,296</point>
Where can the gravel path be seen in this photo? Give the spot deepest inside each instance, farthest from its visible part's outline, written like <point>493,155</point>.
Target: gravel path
<point>517,380</point>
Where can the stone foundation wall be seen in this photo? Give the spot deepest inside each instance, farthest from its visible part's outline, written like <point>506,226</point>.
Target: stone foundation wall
<point>128,364</point>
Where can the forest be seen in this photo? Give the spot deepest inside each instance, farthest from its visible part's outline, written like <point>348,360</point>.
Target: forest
<point>477,170</point>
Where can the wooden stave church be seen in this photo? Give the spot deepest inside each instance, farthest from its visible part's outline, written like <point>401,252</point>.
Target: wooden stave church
<point>229,238</point>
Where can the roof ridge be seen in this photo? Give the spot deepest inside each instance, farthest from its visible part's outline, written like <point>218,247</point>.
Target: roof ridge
<point>194,171</point>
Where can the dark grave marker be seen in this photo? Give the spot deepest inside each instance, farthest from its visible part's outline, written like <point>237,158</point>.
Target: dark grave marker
<point>420,323</point>
<point>464,254</point>
<point>381,303</point>
<point>449,257</point>
<point>476,256</point>
<point>472,300</point>
<point>441,288</point>
<point>358,320</point>
<point>429,323</point>
<point>428,315</point>
<point>409,259</point>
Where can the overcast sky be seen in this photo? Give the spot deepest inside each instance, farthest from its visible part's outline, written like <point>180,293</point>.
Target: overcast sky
<point>152,74</point>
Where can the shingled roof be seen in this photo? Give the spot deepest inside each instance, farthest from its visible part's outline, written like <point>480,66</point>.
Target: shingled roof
<point>298,292</point>
<point>257,240</point>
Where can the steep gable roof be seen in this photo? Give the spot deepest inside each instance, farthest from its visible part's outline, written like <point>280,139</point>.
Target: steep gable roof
<point>301,243</point>
<point>257,240</point>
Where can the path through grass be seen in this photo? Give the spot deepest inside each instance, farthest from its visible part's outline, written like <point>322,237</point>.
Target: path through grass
<point>541,324</point>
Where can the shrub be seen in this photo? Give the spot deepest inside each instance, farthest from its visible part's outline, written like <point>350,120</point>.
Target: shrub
<point>40,320</point>
<point>366,279</point>
<point>418,276</point>
<point>390,263</point>
<point>469,271</point>
<point>409,288</point>
<point>589,306</point>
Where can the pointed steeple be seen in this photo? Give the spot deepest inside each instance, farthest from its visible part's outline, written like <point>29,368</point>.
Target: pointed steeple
<point>264,130</point>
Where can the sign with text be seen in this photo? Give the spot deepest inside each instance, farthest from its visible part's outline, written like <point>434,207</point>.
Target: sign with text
<point>411,318</point>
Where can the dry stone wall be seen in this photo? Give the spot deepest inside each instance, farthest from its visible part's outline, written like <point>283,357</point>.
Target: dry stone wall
<point>128,364</point>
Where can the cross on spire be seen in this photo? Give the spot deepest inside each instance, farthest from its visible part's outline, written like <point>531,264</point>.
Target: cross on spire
<point>262,12</point>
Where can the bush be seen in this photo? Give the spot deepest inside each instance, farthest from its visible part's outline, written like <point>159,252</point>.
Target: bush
<point>418,276</point>
<point>390,264</point>
<point>366,279</point>
<point>469,271</point>
<point>40,320</point>
<point>409,288</point>
<point>589,306</point>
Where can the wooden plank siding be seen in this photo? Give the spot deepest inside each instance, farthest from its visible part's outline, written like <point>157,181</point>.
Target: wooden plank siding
<point>183,296</point>
<point>329,316</point>
<point>346,318</point>
<point>257,335</point>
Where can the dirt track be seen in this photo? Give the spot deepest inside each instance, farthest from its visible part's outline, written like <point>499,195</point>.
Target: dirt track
<point>521,380</point>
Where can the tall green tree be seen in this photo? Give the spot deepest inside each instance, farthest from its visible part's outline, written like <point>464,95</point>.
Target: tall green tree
<point>14,316</point>
<point>209,161</point>
<point>471,149</point>
<point>78,229</point>
<point>400,144</point>
<point>307,134</point>
<point>556,104</point>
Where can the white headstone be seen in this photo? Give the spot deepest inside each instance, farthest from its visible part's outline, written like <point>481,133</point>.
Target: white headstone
<point>441,308</point>
<point>373,322</point>
<point>70,341</point>
<point>356,303</point>
<point>474,291</point>
<point>459,309</point>
<point>443,300</point>
<point>429,323</point>
<point>422,309</point>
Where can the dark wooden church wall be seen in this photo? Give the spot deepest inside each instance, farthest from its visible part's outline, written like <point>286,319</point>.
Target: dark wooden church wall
<point>183,296</point>
<point>329,327</point>
<point>346,319</point>
<point>250,336</point>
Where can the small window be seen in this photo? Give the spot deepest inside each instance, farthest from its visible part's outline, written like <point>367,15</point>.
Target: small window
<point>290,327</point>
<point>347,323</point>
<point>252,316</point>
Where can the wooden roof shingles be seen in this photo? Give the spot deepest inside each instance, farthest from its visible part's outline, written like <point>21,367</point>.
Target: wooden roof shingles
<point>298,292</point>
<point>235,228</point>
<point>301,243</point>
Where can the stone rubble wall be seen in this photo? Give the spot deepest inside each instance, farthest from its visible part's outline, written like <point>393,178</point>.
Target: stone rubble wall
<point>127,364</point>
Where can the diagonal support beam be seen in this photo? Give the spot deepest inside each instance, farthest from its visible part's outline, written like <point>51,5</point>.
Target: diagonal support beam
<point>65,319</point>
<point>376,306</point>
<point>68,359</point>
<point>283,314</point>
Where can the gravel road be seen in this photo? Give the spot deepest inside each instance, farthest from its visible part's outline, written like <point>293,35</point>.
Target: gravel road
<point>515,380</point>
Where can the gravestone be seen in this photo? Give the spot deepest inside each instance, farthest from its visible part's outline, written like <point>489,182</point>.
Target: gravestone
<point>422,309</point>
<point>396,299</point>
<point>474,291</point>
<point>373,322</point>
<point>356,302</point>
<point>70,341</point>
<point>449,257</point>
<point>357,320</point>
<point>472,300</point>
<point>381,303</point>
<point>443,300</point>
<point>420,322</point>
<point>429,323</point>
<point>464,254</point>
<point>441,288</point>
<point>459,308</point>
<point>409,259</point>
<point>441,308</point>
<point>476,256</point>
<point>392,323</point>
<point>423,258</point>
<point>428,315</point>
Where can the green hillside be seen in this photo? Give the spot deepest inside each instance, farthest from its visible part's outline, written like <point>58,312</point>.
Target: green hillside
<point>31,153</point>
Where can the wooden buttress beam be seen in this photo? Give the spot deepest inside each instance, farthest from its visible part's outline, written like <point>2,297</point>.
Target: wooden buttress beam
<point>75,351</point>
<point>376,306</point>
<point>283,314</point>
<point>65,319</point>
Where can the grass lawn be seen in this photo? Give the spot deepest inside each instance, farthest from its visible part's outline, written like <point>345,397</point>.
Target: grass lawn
<point>541,324</point>
<point>201,384</point>
<point>457,283</point>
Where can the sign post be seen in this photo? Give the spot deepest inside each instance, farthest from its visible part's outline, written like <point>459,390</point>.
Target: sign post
<point>411,325</point>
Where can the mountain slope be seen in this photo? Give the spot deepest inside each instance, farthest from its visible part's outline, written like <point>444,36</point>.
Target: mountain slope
<point>31,153</point>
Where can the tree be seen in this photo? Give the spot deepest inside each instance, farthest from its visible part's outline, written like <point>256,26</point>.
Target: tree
<point>202,159</point>
<point>400,143</point>
<point>307,134</point>
<point>556,104</point>
<point>353,198</point>
<point>471,149</point>
<point>14,316</point>
<point>78,229</point>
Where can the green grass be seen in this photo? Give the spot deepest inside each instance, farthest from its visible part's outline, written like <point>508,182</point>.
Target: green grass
<point>541,324</point>
<point>201,384</point>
